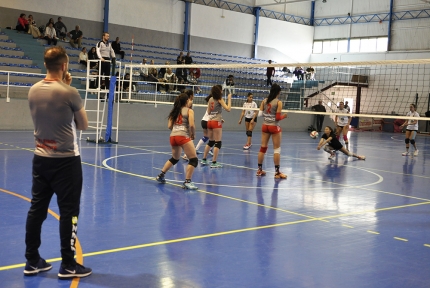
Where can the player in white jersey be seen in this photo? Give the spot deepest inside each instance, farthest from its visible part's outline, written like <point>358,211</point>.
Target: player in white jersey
<point>411,129</point>
<point>342,123</point>
<point>250,113</point>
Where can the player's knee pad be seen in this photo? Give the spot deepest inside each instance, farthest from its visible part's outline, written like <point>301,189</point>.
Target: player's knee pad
<point>193,162</point>
<point>173,160</point>
<point>407,140</point>
<point>263,149</point>
<point>249,133</point>
<point>277,150</point>
<point>218,144</point>
<point>204,138</point>
<point>211,143</point>
<point>412,141</point>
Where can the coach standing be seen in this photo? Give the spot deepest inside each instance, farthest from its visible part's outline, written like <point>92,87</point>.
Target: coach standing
<point>57,112</point>
<point>105,53</point>
<point>319,117</point>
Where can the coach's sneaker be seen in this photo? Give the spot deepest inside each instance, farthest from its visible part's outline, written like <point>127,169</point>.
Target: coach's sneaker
<point>216,165</point>
<point>74,271</point>
<point>204,162</point>
<point>160,178</point>
<point>40,266</point>
<point>405,153</point>
<point>261,172</point>
<point>189,186</point>
<point>280,175</point>
<point>416,152</point>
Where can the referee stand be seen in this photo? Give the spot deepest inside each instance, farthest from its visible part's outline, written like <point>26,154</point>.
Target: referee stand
<point>102,124</point>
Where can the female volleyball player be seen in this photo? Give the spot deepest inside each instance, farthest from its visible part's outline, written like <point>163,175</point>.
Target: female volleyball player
<point>181,122</point>
<point>411,130</point>
<point>215,105</point>
<point>250,118</point>
<point>333,144</point>
<point>342,123</point>
<point>271,109</point>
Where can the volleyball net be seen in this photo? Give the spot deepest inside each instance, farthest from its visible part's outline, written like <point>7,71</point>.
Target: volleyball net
<point>373,89</point>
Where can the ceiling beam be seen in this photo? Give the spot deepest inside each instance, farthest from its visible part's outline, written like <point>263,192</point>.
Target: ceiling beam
<point>286,2</point>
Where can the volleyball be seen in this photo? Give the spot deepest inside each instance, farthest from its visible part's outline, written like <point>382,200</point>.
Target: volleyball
<point>314,134</point>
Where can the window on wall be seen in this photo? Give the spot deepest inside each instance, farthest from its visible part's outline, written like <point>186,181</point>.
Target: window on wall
<point>356,45</point>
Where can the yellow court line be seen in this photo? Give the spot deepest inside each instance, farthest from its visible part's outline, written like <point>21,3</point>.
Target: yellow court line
<point>373,232</point>
<point>401,239</point>
<point>427,245</point>
<point>79,255</point>
<point>348,226</point>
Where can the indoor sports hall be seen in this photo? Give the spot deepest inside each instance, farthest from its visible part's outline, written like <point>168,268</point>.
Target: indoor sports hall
<point>335,221</point>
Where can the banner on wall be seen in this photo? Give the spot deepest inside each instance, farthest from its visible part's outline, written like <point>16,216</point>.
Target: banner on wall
<point>367,123</point>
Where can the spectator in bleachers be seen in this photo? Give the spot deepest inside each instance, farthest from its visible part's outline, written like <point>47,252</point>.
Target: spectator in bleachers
<point>116,46</point>
<point>126,83</point>
<point>310,73</point>
<point>229,85</point>
<point>194,78</point>
<point>83,57</point>
<point>32,28</point>
<point>170,77</point>
<point>51,20</point>
<point>75,37</point>
<point>92,55</point>
<point>144,70</point>
<point>180,58</point>
<point>270,71</point>
<point>298,72</point>
<point>181,73</point>
<point>162,71</point>
<point>105,53</point>
<point>59,25</point>
<point>188,59</point>
<point>22,23</point>
<point>153,71</point>
<point>50,34</point>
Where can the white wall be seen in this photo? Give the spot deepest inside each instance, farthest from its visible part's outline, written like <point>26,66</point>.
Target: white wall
<point>293,40</point>
<point>159,15</point>
<point>207,22</point>
<point>81,9</point>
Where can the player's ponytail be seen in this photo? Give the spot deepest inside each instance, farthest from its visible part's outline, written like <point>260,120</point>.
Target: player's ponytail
<point>274,92</point>
<point>180,102</point>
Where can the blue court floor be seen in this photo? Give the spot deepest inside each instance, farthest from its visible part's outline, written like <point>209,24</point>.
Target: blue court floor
<point>341,223</point>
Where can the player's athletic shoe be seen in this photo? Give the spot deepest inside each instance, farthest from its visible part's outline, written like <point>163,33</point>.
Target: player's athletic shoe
<point>160,178</point>
<point>280,175</point>
<point>211,153</point>
<point>204,162</point>
<point>189,186</point>
<point>361,157</point>
<point>405,153</point>
<point>246,147</point>
<point>216,165</point>
<point>40,266</point>
<point>185,157</point>
<point>416,152</point>
<point>261,172</point>
<point>199,152</point>
<point>332,155</point>
<point>74,271</point>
